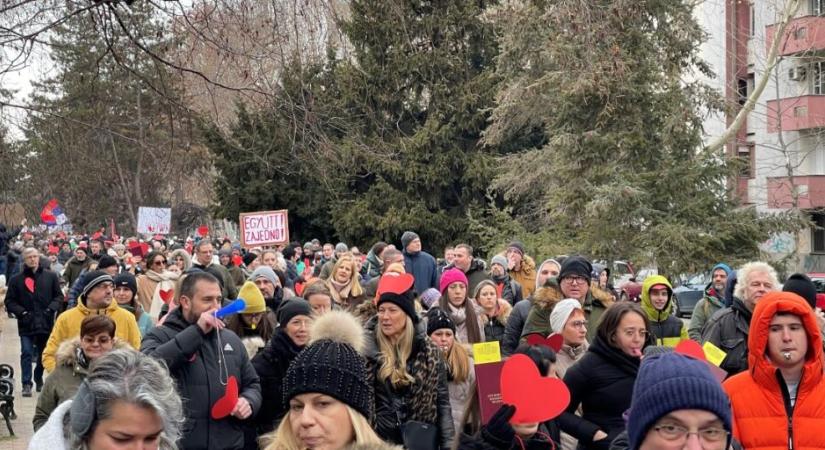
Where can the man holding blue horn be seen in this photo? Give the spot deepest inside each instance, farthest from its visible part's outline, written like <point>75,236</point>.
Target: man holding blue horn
<point>214,376</point>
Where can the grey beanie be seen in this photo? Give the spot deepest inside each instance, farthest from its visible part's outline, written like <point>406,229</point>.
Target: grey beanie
<point>500,260</point>
<point>408,237</point>
<point>265,272</point>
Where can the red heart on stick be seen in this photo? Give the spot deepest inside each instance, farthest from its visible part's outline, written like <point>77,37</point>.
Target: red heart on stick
<point>554,341</point>
<point>224,406</point>
<point>536,398</point>
<point>29,284</point>
<point>203,230</point>
<point>396,283</point>
<point>166,294</point>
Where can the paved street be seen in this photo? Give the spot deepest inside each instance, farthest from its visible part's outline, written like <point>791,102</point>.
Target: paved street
<point>10,354</point>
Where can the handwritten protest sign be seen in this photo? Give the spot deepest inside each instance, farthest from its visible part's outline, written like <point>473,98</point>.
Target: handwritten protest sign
<point>154,220</point>
<point>264,228</point>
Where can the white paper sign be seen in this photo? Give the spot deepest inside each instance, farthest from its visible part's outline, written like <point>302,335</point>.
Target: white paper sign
<point>264,228</point>
<point>154,220</point>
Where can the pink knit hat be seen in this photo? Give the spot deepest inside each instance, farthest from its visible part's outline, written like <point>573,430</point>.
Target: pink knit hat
<point>452,276</point>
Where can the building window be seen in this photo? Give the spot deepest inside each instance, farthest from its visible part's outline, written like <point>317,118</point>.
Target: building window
<point>745,153</point>
<point>818,7</point>
<point>800,111</point>
<point>818,232</point>
<point>818,78</point>
<point>752,13</point>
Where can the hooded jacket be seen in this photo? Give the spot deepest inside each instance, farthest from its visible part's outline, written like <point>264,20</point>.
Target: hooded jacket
<point>35,310</point>
<point>705,308</point>
<point>74,268</point>
<point>187,259</point>
<point>193,360</point>
<point>595,304</point>
<point>68,326</point>
<point>728,330</point>
<point>426,400</point>
<point>763,417</point>
<point>525,276</point>
<point>62,384</point>
<point>371,267</point>
<point>667,329</point>
<point>538,318</point>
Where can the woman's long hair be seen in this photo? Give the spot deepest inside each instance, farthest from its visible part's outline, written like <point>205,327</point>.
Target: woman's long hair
<point>394,356</point>
<point>355,289</point>
<point>458,362</point>
<point>473,331</point>
<point>284,439</point>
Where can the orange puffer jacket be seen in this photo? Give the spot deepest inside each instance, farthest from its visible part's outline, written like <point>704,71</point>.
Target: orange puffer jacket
<point>761,418</point>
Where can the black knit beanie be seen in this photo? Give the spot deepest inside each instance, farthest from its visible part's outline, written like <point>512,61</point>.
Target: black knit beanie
<point>331,364</point>
<point>292,307</point>
<point>576,265</point>
<point>92,279</point>
<point>128,280</point>
<point>405,301</point>
<point>801,285</point>
<point>438,319</point>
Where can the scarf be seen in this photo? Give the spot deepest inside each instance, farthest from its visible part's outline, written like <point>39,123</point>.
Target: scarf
<point>615,356</point>
<point>163,276</point>
<point>340,291</point>
<point>459,315</point>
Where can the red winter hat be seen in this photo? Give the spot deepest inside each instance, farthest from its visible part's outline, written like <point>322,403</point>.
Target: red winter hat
<point>452,276</point>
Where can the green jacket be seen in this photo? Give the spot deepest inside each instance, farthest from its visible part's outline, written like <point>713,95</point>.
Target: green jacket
<point>666,329</point>
<point>705,308</point>
<point>545,298</point>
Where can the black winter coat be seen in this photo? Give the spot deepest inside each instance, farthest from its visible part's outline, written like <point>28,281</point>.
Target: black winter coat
<point>728,330</point>
<point>510,289</point>
<point>602,383</point>
<point>192,358</point>
<point>515,325</point>
<point>484,441</point>
<point>35,311</point>
<point>271,364</point>
<point>395,406</point>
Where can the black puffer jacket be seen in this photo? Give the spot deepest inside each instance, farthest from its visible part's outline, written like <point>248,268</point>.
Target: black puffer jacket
<point>395,406</point>
<point>515,325</point>
<point>192,358</point>
<point>271,364</point>
<point>35,311</point>
<point>728,330</point>
<point>602,383</point>
<point>547,438</point>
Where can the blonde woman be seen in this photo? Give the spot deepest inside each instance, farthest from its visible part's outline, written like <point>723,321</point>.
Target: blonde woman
<point>326,391</point>
<point>409,377</point>
<point>461,376</point>
<point>343,283</point>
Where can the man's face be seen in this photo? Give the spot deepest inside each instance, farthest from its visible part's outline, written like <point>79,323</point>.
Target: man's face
<point>720,279</point>
<point>414,246</point>
<point>658,297</point>
<point>449,255</point>
<point>759,284</point>
<point>787,341</point>
<point>95,246</point>
<point>100,296</point>
<point>266,287</point>
<point>398,258</point>
<point>575,286</point>
<point>207,296</point>
<point>204,254</point>
<point>32,260</point>
<point>462,259</point>
<point>514,256</point>
<point>669,431</point>
<point>111,270</point>
<point>328,250</point>
<point>225,260</point>
<point>497,270</point>
<point>80,255</point>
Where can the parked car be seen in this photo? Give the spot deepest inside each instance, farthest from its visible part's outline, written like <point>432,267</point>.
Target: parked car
<point>630,289</point>
<point>689,290</point>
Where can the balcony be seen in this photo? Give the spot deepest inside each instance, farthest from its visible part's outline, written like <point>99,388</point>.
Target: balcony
<point>798,113</point>
<point>811,190</point>
<point>803,34</point>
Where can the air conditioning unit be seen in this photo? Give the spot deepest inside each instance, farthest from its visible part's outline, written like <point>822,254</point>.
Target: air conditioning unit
<point>796,73</point>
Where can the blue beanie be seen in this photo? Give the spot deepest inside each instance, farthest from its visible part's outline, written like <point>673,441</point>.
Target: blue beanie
<point>670,382</point>
<point>722,266</point>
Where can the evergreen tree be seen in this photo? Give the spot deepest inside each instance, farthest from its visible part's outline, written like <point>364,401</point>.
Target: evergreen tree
<point>620,171</point>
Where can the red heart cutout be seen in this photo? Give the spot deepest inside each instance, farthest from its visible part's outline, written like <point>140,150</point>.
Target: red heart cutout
<point>96,235</point>
<point>554,341</point>
<point>166,294</point>
<point>396,283</point>
<point>237,260</point>
<point>203,230</point>
<point>29,284</point>
<point>536,398</point>
<point>150,228</point>
<point>224,406</point>
<point>691,348</point>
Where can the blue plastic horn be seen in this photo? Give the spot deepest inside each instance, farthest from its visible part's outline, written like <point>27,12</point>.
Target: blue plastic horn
<point>232,308</point>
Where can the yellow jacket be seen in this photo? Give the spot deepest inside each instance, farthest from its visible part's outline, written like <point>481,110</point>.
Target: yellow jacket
<point>68,327</point>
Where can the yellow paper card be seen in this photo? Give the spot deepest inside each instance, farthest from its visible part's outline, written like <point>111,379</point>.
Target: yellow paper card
<point>486,352</point>
<point>714,354</point>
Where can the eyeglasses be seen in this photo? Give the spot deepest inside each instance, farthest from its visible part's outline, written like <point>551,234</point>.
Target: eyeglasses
<point>574,280</point>
<point>579,324</point>
<point>101,340</point>
<point>630,332</point>
<point>679,434</point>
<point>159,263</point>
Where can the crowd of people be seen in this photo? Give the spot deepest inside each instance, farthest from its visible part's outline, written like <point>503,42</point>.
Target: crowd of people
<point>124,346</point>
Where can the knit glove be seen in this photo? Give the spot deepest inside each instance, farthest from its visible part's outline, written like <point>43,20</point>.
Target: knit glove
<point>498,430</point>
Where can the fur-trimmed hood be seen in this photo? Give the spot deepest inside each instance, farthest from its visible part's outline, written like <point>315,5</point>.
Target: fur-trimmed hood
<point>602,296</point>
<point>547,296</point>
<point>504,310</point>
<point>67,351</point>
<point>187,259</point>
